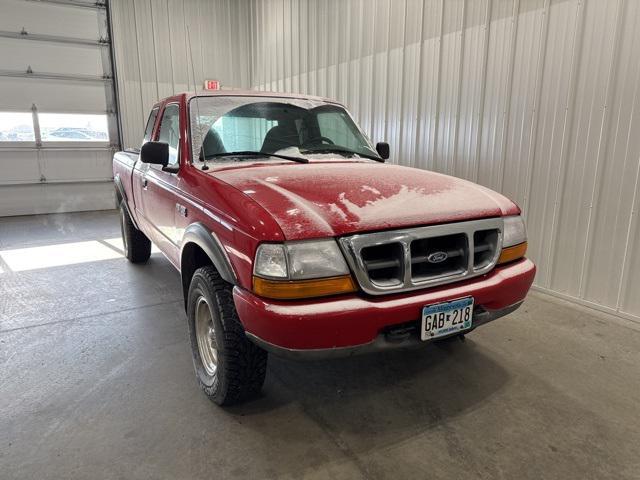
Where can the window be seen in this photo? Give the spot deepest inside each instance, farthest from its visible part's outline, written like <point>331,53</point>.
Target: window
<point>242,133</point>
<point>16,127</point>
<point>170,131</point>
<point>73,127</point>
<point>148,131</point>
<point>297,126</point>
<point>338,127</point>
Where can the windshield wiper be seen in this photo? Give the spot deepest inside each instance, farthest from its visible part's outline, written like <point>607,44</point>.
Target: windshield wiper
<point>257,154</point>
<point>342,150</point>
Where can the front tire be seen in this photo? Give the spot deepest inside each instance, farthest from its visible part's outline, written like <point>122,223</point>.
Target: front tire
<point>229,368</point>
<point>137,247</point>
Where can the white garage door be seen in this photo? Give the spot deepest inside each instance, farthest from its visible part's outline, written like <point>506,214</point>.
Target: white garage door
<point>58,122</point>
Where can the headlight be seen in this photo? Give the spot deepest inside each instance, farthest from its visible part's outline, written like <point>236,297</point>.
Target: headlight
<point>301,269</point>
<point>514,231</point>
<point>271,261</point>
<point>514,239</point>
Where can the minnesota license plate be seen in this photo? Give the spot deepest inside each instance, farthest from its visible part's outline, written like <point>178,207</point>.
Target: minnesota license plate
<point>445,318</point>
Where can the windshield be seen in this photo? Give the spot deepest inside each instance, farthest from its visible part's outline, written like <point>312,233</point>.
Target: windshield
<point>272,125</point>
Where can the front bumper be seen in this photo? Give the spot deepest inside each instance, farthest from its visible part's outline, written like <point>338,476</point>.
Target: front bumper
<point>349,324</point>
<point>392,339</point>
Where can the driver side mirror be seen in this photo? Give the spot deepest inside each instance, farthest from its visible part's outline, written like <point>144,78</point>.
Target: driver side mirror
<point>156,153</point>
<point>383,150</point>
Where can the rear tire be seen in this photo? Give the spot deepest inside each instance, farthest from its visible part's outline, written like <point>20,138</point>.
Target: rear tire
<point>229,368</point>
<point>137,247</point>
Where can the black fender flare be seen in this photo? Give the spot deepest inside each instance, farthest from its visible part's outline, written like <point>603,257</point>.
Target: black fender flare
<point>207,240</point>
<point>122,194</point>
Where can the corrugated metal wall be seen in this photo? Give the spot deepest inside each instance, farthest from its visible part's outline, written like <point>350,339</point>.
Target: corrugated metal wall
<point>535,98</point>
<point>152,55</point>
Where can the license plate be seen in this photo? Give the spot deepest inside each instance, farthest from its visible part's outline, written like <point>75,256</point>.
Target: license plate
<point>445,318</point>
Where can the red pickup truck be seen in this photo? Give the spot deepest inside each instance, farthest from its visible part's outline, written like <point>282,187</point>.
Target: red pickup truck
<point>293,236</point>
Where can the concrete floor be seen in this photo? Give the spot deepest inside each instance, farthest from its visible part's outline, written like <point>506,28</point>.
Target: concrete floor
<point>96,382</point>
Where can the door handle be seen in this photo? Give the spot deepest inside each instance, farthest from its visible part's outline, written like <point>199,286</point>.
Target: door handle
<point>144,183</point>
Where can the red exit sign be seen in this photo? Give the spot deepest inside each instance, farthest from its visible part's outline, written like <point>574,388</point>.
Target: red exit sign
<point>212,85</point>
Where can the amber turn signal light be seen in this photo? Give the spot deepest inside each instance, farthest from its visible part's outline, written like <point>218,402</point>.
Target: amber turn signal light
<point>510,254</point>
<point>295,289</point>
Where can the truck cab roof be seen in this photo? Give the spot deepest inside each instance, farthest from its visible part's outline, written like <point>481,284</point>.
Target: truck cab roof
<point>242,93</point>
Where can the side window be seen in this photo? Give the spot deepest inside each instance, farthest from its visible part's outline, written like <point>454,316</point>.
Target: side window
<point>170,131</point>
<point>148,131</point>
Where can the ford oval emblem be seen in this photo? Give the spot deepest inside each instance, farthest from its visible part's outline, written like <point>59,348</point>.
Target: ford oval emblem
<point>437,257</point>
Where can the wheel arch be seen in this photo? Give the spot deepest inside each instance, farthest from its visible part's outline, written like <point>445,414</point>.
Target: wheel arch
<point>201,247</point>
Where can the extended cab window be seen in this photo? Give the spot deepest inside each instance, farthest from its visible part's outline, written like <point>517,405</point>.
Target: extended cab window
<point>148,131</point>
<point>170,131</point>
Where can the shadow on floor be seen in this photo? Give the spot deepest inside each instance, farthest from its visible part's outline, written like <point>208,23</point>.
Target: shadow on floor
<point>382,398</point>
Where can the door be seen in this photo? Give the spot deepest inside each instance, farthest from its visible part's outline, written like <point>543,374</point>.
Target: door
<point>58,123</point>
<point>139,171</point>
<point>159,187</point>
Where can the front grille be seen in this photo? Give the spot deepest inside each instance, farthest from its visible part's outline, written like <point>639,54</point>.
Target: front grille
<point>401,260</point>
<point>384,263</point>
<point>485,245</point>
<point>456,249</point>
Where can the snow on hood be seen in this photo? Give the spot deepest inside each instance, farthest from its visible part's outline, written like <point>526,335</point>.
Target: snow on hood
<point>337,198</point>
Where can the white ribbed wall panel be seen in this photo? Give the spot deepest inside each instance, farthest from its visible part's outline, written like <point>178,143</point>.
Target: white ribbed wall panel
<point>535,98</point>
<point>152,53</point>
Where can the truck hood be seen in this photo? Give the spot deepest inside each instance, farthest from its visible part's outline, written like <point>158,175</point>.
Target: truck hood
<point>338,198</point>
